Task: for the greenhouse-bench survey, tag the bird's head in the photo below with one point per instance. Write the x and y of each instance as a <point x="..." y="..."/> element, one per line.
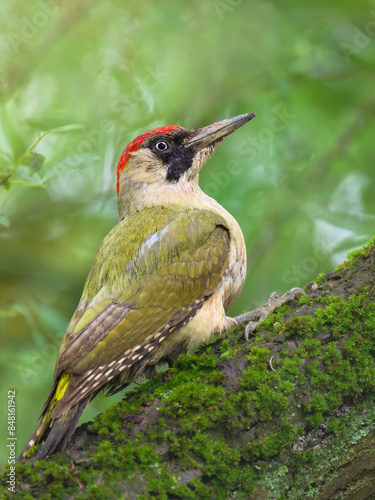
<point x="161" y="166"/>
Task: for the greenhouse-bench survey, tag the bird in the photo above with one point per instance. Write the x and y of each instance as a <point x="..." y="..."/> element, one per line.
<point x="161" y="282"/>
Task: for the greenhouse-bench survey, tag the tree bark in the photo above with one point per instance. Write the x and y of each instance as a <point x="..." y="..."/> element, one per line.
<point x="289" y="414"/>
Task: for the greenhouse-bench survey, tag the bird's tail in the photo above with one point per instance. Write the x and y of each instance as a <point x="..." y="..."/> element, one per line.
<point x="54" y="434"/>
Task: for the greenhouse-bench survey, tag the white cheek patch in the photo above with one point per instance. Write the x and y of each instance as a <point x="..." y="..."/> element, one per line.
<point x="144" y="167"/>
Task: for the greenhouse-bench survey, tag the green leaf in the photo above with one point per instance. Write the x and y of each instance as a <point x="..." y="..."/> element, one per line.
<point x="4" y="221"/>
<point x="36" y="161"/>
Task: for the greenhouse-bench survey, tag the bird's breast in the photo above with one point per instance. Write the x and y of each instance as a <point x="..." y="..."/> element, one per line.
<point x="235" y="277"/>
<point x="236" y="270"/>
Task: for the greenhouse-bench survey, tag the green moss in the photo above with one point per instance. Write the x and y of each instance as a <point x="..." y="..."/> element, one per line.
<point x="358" y="423"/>
<point x="190" y="397"/>
<point x="356" y="256"/>
<point x="276" y="317"/>
<point x="236" y="412"/>
<point x="304" y="299"/>
<point x="320" y="279"/>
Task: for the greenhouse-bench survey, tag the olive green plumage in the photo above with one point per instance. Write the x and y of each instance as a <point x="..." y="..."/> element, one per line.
<point x="158" y="261"/>
<point x="152" y="272"/>
<point x="145" y="279"/>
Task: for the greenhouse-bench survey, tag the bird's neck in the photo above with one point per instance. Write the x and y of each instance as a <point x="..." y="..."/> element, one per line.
<point x="134" y="197"/>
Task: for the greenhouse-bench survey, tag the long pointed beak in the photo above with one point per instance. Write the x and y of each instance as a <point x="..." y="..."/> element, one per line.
<point x="205" y="136"/>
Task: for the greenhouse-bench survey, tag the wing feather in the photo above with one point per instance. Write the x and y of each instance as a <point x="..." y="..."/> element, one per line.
<point x="143" y="285"/>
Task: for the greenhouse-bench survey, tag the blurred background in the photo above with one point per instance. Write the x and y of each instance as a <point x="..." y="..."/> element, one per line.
<point x="78" y="81"/>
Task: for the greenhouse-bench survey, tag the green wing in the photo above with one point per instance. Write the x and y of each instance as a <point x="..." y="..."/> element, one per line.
<point x="151" y="272"/>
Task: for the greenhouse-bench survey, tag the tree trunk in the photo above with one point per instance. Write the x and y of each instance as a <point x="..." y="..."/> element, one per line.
<point x="289" y="414"/>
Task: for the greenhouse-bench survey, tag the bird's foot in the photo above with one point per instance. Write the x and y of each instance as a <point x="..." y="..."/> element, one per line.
<point x="253" y="318"/>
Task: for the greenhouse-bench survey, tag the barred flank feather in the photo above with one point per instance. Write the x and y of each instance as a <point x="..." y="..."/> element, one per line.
<point x="55" y="433"/>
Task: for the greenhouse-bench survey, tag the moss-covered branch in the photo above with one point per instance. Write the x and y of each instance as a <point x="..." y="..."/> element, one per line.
<point x="288" y="415"/>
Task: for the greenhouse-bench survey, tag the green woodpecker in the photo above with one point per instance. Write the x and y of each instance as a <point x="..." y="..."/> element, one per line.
<point x="161" y="282"/>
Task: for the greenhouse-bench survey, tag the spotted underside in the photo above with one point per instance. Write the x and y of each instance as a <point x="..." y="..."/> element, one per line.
<point x="151" y="274"/>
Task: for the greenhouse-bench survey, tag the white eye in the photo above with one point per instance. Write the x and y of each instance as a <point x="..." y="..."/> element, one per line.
<point x="161" y="146"/>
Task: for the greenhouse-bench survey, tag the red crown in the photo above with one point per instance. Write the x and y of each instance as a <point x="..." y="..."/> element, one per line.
<point x="134" y="145"/>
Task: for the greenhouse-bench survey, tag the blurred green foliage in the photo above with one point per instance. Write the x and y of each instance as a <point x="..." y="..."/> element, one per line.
<point x="79" y="80"/>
